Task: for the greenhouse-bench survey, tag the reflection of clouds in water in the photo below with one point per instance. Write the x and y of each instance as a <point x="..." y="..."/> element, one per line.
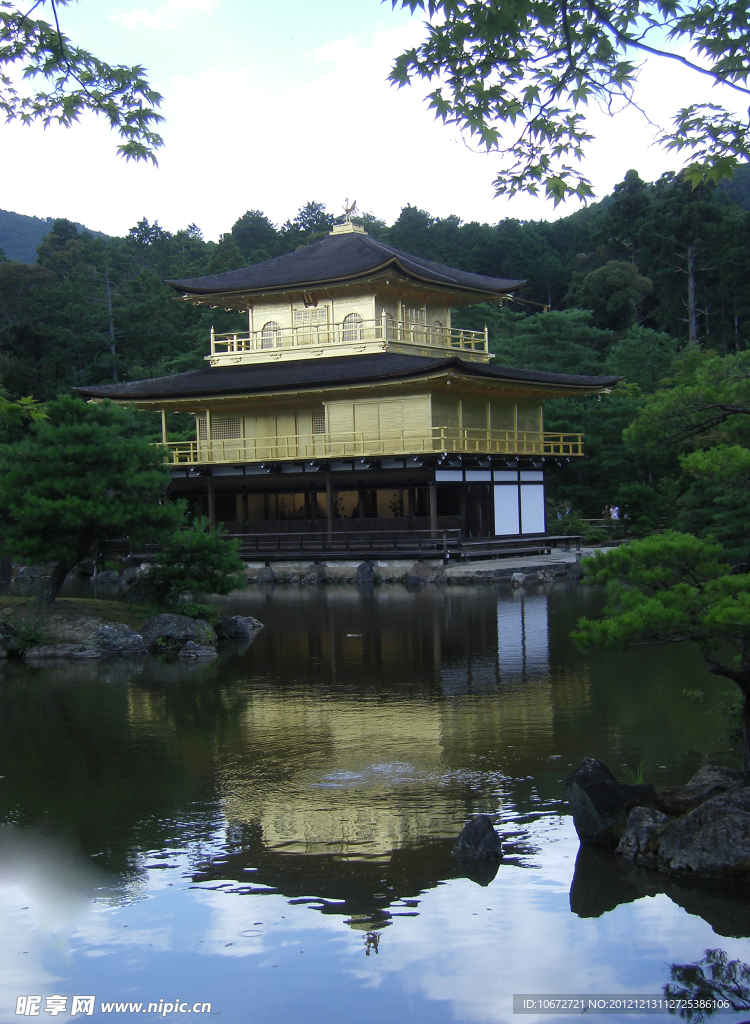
<point x="47" y="890"/>
<point x="459" y="952"/>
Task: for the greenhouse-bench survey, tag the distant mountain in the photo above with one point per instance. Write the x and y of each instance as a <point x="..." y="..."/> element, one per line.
<point x="738" y="189"/>
<point x="21" y="236"/>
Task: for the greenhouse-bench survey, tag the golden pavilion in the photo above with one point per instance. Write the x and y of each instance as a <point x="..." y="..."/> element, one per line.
<point x="352" y="402"/>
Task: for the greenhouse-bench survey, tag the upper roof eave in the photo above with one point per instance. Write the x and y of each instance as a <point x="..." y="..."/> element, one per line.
<point x="337" y="260"/>
<point x="218" y="383"/>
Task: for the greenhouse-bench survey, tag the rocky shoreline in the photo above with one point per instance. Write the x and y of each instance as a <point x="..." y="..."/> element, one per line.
<point x="700" y="830"/>
<point x="310" y="573"/>
<point x="186" y="637"/>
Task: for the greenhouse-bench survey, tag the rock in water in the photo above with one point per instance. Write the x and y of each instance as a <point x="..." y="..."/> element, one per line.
<point x="707" y="782"/>
<point x="191" y="650"/>
<point x="518" y="579"/>
<point x="169" y="631"/>
<point x="238" y="627"/>
<point x="365" y="573"/>
<point x="711" y="841"/>
<point x="479" y="840"/>
<point x="31" y="572"/>
<point x="315" y="574"/>
<point x="640" y="840"/>
<point x="600" y="804"/>
<point x="115" y="638"/>
<point x="108" y="576"/>
<point x="422" y="573"/>
<point x="266" y="575"/>
<point x="545" y="576"/>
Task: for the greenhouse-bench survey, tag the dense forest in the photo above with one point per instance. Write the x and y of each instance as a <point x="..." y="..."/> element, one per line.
<point x="656" y="272"/>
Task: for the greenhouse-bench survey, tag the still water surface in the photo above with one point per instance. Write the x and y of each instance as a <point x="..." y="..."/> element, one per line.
<point x="271" y="832"/>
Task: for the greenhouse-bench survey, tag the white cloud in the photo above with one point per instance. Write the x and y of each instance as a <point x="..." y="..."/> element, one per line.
<point x="168" y="16"/>
<point x="261" y="137"/>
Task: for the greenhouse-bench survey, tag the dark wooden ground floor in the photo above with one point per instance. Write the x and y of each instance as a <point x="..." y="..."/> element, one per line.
<point x="480" y="500"/>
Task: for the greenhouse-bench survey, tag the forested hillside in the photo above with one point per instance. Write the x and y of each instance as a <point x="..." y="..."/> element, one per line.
<point x="620" y="287"/>
<point x="21" y="236"/>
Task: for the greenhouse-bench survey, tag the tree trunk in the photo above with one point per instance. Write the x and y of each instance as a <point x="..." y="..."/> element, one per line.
<point x="692" y="312"/>
<point x="6" y="573"/>
<point x="52" y="587"/>
<point x="746" y="733"/>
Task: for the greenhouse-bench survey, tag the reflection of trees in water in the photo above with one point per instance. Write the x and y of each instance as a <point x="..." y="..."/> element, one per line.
<point x="715" y="977"/>
<point x="372" y="941"/>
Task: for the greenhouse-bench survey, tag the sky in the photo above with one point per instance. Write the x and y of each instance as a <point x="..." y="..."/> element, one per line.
<point x="269" y="106"/>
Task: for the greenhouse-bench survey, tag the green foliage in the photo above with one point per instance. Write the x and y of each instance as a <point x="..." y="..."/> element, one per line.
<point x="613" y="293"/>
<point x="643" y="357"/>
<point x="195" y="610"/>
<point x="563" y="520"/>
<point x="670" y="589"/>
<point x="76" y="82"/>
<point x="84" y="474"/>
<point x="641" y="508"/>
<point x="198" y="560"/>
<point x="518" y="78"/>
<point x="637" y="777"/>
<point x="707" y="400"/>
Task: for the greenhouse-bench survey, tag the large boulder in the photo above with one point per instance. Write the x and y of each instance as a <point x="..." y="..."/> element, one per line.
<point x="643" y="831"/>
<point x="170" y="632"/>
<point x="314" y="574"/>
<point x="143" y="591"/>
<point x="422" y="573"/>
<point x="238" y="627"/>
<point x="518" y="579"/>
<point x="115" y="639"/>
<point x="711" y="841"/>
<point x="265" y="575"/>
<point x="108" y="576"/>
<point x="130" y="575"/>
<point x="479" y="840"/>
<point x="365" y="573"/>
<point x="27" y="573"/>
<point x="601" y="805"/>
<point x="706" y="783"/>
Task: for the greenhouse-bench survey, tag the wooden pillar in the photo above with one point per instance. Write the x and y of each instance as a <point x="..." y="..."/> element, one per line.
<point x="411" y="496"/>
<point x="361" y="508"/>
<point x="463" y="510"/>
<point x="243" y="504"/>
<point x="329" y="505"/>
<point x="433" y="509"/>
<point x="164" y="433"/>
<point x="313" y="499"/>
<point x="211" y="505"/>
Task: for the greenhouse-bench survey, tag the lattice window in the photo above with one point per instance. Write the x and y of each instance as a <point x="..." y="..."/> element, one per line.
<point x="311" y="315"/>
<point x="223" y="428"/>
<point x="353" y="330"/>
<point x="415" y="316"/>
<point x="319" y="422"/>
<point x="270" y="335"/>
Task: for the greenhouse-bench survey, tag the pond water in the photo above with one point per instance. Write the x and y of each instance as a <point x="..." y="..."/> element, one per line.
<point x="270" y="833"/>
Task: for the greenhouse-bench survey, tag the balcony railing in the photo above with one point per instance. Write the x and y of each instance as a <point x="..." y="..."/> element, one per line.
<point x="323" y="335"/>
<point x="348" y="444"/>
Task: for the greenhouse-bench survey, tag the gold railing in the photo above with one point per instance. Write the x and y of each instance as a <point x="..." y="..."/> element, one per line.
<point x="347" y="444"/>
<point x="320" y="335"/>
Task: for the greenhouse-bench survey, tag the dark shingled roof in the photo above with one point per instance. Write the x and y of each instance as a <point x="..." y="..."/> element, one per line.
<point x="341" y="257"/>
<point x="315" y="373"/>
